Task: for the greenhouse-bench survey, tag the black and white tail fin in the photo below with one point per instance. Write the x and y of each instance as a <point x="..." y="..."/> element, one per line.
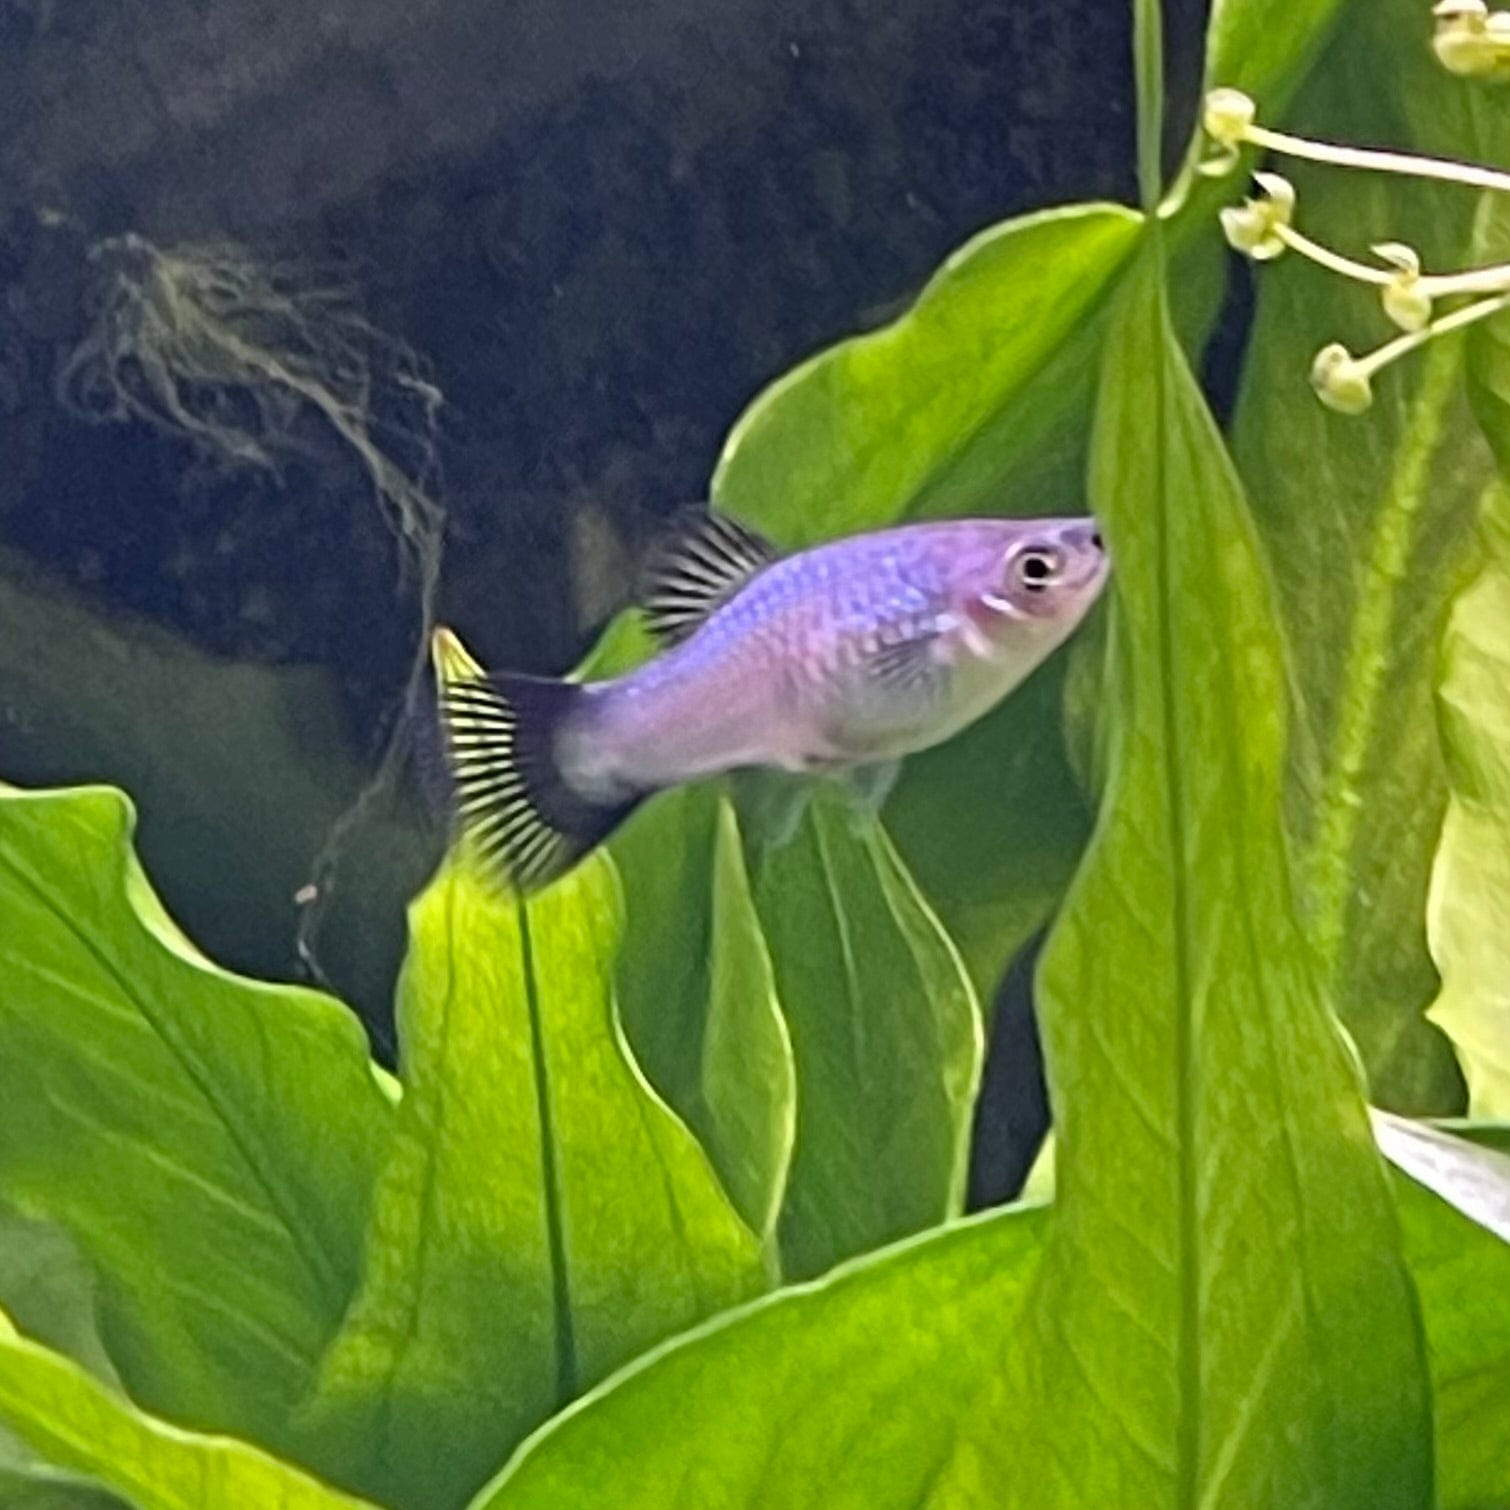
<point x="525" y="819"/>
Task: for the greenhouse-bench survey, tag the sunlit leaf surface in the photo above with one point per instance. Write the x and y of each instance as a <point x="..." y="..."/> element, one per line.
<point x="860" y="1390"/>
<point x="78" y="1423"/>
<point x="699" y="995"/>
<point x="208" y="1142"/>
<point x="1469" y="918"/>
<point x="542" y="1217"/>
<point x="1219" y="1209"/>
<point x="887" y="1037"/>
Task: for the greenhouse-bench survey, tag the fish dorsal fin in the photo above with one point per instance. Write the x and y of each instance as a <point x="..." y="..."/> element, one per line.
<point x="703" y="561"/>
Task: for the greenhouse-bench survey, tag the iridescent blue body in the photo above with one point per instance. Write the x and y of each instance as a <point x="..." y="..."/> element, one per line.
<point x="845" y="657"/>
<point x="862" y="650"/>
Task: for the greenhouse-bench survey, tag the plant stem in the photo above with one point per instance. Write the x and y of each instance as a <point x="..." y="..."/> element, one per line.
<point x="1148" y="72"/>
<point x="1468" y="315"/>
<point x="1469" y="174"/>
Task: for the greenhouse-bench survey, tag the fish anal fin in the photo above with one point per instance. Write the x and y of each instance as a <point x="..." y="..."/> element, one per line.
<point x="704" y="559"/>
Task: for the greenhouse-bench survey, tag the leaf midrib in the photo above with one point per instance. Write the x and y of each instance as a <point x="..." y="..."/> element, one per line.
<point x="564" y="1331"/>
<point x="1188" y="1352"/>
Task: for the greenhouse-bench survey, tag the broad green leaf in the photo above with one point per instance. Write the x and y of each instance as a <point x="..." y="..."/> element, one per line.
<point x="52" y="1489"/>
<point x="870" y="1386"/>
<point x="887" y="1037"/>
<point x="1252" y="46"/>
<point x="76" y="1422"/>
<point x="1223" y="1271"/>
<point x="542" y="1218"/>
<point x="1369" y="525"/>
<point x="1468" y="921"/>
<point x="699" y="996"/>
<point x="973" y="402"/>
<point x="48" y="1291"/>
<point x="870" y="431"/>
<point x="208" y="1142"/>
<point x="1462" y="1272"/>
<point x="860" y="1390"/>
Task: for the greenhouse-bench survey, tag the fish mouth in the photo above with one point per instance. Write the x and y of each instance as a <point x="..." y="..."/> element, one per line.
<point x="1092" y="576"/>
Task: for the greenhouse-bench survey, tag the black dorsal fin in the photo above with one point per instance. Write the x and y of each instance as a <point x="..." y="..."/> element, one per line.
<point x="703" y="561"/>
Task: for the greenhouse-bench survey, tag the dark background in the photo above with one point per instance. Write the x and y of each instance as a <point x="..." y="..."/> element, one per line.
<point x="603" y="228"/>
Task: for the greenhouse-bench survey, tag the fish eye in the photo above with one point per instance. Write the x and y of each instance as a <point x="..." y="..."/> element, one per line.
<point x="1037" y="568"/>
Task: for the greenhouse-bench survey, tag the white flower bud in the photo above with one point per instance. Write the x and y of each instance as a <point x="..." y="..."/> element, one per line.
<point x="1404" y="300"/>
<point x="1227" y="115"/>
<point x="1252" y="227"/>
<point x="1341" y="380"/>
<point x="1470" y="41"/>
<point x="1403" y="258"/>
<point x="1406" y="303"/>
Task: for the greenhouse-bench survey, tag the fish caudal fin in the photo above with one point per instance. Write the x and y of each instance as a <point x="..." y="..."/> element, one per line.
<point x="527" y="822"/>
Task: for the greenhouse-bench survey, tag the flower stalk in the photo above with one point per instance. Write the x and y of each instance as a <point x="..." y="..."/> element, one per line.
<point x="1262" y="228"/>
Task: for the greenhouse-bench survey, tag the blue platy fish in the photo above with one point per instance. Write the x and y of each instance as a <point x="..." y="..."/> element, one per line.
<point x="842" y="658"/>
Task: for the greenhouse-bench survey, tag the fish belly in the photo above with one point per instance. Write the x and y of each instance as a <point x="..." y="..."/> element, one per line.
<point x="637" y="737"/>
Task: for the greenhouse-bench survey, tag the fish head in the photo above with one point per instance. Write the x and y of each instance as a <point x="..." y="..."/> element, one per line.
<point x="1041" y="580"/>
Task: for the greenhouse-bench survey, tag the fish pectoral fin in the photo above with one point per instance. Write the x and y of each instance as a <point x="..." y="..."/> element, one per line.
<point x="910" y="666"/>
<point x="703" y="561"/>
<point x="868" y="787"/>
<point x="771" y="803"/>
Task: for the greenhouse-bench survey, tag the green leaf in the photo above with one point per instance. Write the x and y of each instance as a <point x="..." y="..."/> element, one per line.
<point x="1489" y="342"/>
<point x="1250" y="46"/>
<point x="872" y="430"/>
<point x="699" y="996"/>
<point x="208" y="1142"/>
<point x="542" y="1218"/>
<point x="1221" y="1212"/>
<point x="1468" y="921"/>
<point x="79" y="1424"/>
<point x="1369" y="525"/>
<point x="887" y="1036"/>
<point x="992" y="824"/>
<point x="1462" y="1272"/>
<point x="860" y="1390"/>
<point x="49" y="1291"/>
<point x="52" y="1489"/>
